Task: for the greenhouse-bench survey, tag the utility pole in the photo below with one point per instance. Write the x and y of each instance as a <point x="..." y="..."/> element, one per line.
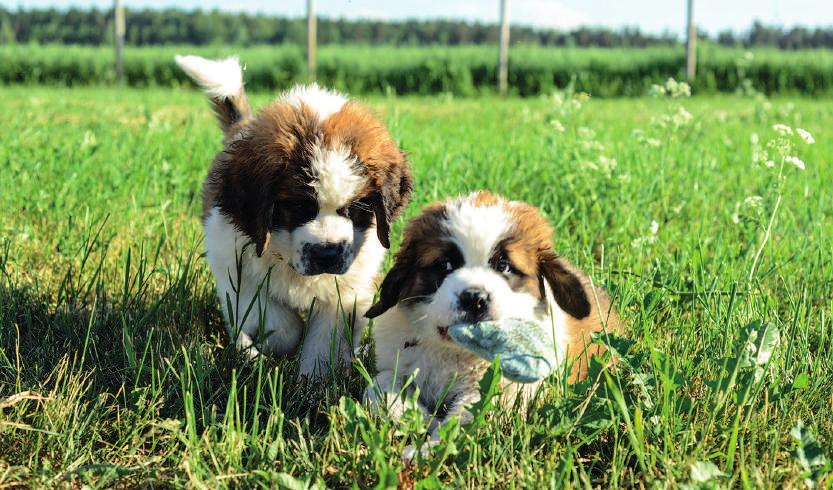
<point x="118" y="38"/>
<point x="312" y="40"/>
<point x="503" y="54"/>
<point x="691" y="44"/>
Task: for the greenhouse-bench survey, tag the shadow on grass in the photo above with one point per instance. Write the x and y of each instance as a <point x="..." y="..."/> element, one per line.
<point x="86" y="370"/>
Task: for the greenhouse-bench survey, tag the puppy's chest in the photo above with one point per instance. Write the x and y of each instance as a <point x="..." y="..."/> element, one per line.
<point x="454" y="374"/>
<point x="439" y="367"/>
<point x="299" y="291"/>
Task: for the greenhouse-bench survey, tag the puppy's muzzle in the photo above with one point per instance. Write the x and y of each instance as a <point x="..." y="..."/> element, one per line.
<point x="327" y="258"/>
<point x="474" y="303"/>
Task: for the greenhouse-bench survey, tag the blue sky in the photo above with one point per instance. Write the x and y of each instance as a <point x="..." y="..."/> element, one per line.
<point x="649" y="15"/>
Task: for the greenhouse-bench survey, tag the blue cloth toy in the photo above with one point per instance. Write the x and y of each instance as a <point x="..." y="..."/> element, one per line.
<point x="525" y="355"/>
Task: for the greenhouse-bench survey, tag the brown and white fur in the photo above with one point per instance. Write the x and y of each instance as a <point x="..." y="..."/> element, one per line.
<point x="475" y="258"/>
<point x="296" y="212"/>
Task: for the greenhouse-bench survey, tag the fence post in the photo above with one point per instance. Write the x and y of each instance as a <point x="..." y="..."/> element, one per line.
<point x="691" y="44"/>
<point x="118" y="37"/>
<point x="312" y="40"/>
<point x="503" y="54"/>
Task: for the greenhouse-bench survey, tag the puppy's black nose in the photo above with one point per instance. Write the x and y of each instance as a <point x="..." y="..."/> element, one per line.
<point x="475" y="302"/>
<point x="326" y="255"/>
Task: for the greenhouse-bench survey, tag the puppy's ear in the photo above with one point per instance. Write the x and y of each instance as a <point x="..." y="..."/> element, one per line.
<point x="566" y="286"/>
<point x="391" y="287"/>
<point x="391" y="199"/>
<point x="246" y="192"/>
<point x="222" y="81"/>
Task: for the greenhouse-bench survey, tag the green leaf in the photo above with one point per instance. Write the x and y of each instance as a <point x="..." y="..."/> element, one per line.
<point x="809" y="454"/>
<point x="705" y="471"/>
<point x="289" y="482"/>
<point x="761" y="341"/>
<point x="801" y="381"/>
<point x="489" y="388"/>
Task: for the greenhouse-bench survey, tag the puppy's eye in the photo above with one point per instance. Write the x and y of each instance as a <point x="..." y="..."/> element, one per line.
<point x="443" y="266"/>
<point x="503" y="266"/>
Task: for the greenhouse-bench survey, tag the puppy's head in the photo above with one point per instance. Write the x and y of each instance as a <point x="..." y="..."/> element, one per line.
<point x="478" y="258"/>
<point x="309" y="188"/>
<point x="307" y="176"/>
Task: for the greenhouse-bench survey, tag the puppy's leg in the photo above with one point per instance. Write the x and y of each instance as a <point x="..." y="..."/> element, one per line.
<point x="383" y="395"/>
<point x="255" y="321"/>
<point x="268" y="326"/>
<point x="328" y="339"/>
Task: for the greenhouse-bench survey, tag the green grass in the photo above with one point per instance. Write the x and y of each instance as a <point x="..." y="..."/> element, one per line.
<point x="460" y="70"/>
<point x="114" y="368"/>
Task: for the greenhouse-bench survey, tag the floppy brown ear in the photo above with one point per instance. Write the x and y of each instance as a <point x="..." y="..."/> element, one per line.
<point x="566" y="286"/>
<point x="392" y="199"/>
<point x="391" y="288"/>
<point x="247" y="194"/>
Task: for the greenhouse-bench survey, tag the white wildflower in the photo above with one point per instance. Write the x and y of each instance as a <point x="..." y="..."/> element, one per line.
<point x="753" y="139"/>
<point x="753" y="201"/>
<point x="652" y="142"/>
<point x="795" y="161"/>
<point x="89" y="140"/>
<point x="648" y="239"/>
<point x="681" y="117"/>
<point x="677" y="89"/>
<point x="783" y="129"/>
<point x="656" y="90"/>
<point x="607" y="165"/>
<point x="805" y="135"/>
<point x="556" y="124"/>
<point x="586" y="133"/>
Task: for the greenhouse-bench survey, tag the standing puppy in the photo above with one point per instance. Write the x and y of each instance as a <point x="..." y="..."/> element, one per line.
<point x="296" y="211"/>
<point x="468" y="260"/>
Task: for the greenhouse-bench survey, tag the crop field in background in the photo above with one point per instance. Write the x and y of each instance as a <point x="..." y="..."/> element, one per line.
<point x="693" y="212"/>
<point x="463" y="70"/>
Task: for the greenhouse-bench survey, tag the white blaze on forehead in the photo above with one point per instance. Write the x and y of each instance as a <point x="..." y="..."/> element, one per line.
<point x="335" y="176"/>
<point x="325" y="228"/>
<point x="476" y="230"/>
<point x="324" y="102"/>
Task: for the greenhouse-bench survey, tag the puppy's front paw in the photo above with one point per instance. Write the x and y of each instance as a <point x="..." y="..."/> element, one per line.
<point x="410" y="451"/>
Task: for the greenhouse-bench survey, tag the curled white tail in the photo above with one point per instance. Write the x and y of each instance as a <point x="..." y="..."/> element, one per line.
<point x="220" y="79"/>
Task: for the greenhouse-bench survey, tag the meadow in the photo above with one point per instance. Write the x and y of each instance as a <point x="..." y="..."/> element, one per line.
<point x="427" y="70"/>
<point x="693" y="212"/>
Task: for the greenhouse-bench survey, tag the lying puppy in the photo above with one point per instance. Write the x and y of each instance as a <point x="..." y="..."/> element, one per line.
<point x="296" y="211"/>
<point x="475" y="259"/>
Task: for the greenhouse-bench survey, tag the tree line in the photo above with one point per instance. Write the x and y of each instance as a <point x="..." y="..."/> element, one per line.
<point x="198" y="27"/>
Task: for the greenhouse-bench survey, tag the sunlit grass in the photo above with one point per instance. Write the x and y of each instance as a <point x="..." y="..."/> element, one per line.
<point x="113" y="360"/>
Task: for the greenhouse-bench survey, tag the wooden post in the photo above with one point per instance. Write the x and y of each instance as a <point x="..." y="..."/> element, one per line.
<point x="503" y="55"/>
<point x="312" y="40"/>
<point x="118" y="38"/>
<point x="691" y="44"/>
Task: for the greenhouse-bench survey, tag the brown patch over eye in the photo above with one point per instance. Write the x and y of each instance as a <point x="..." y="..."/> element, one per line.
<point x="388" y="176"/>
<point x="423" y="245"/>
<point x="518" y="263"/>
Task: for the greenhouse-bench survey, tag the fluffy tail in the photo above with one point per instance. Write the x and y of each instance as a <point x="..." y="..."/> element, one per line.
<point x="222" y="81"/>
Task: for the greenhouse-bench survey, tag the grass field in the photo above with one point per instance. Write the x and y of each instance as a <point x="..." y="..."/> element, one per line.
<point x="433" y="70"/>
<point x="113" y="365"/>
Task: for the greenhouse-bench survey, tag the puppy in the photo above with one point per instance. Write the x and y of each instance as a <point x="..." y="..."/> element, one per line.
<point x="467" y="260"/>
<point x="297" y="209"/>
